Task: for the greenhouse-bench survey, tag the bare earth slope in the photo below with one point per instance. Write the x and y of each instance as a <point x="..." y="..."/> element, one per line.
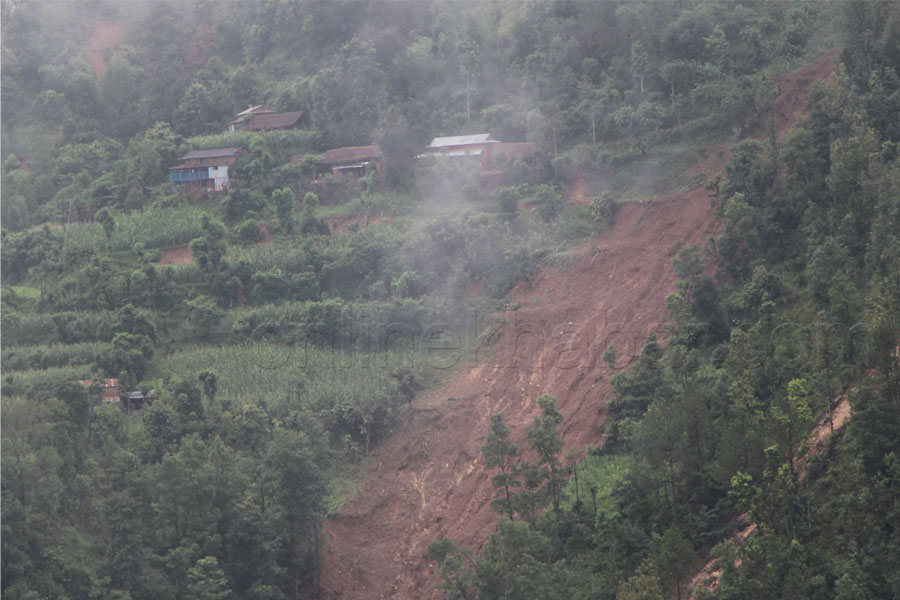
<point x="427" y="481"/>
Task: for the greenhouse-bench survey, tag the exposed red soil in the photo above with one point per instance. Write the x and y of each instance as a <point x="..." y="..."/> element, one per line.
<point x="202" y="43"/>
<point x="474" y="288"/>
<point x="107" y="34"/>
<point x="268" y="236"/>
<point x="426" y="482"/>
<point x="793" y="86"/>
<point x="177" y="255"/>
<point x="181" y="255"/>
<point x="580" y="190"/>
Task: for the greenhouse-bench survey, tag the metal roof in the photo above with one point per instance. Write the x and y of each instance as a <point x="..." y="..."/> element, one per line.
<point x="203" y="164"/>
<point x="259" y="108"/>
<point x="461" y="140"/>
<point x="453" y="153"/>
<point x="212" y="153"/>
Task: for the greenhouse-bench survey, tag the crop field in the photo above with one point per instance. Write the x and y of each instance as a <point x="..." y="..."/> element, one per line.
<point x="154" y="228"/>
<point x="251" y="372"/>
<point x="46" y="356"/>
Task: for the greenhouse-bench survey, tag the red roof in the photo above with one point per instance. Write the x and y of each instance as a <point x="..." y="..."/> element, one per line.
<point x="352" y="154"/>
<point x="104" y="383"/>
<point x="514" y="150"/>
<point x="263" y="121"/>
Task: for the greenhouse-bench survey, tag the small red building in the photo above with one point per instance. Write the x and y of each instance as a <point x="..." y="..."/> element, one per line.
<point x="110" y="388"/>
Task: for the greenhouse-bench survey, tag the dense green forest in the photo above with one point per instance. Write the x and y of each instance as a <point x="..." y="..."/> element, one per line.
<point x="270" y="381"/>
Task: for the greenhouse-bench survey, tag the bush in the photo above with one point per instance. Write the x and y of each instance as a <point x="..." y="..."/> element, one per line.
<point x="247" y="232"/>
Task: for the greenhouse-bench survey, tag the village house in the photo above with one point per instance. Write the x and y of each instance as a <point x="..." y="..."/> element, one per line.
<point x="253" y="110"/>
<point x="459" y="146"/>
<point x="109" y="388"/>
<point x="353" y="162"/>
<point x="266" y="120"/>
<point x="205" y="170"/>
<point x="111" y="393"/>
<point x="492" y="157"/>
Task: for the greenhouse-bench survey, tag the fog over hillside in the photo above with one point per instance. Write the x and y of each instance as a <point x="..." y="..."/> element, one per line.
<point x="464" y="300"/>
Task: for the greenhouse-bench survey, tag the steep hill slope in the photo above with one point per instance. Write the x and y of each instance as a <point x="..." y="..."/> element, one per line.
<point x="427" y="482"/>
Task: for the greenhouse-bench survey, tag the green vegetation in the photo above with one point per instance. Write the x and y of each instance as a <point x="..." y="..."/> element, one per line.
<point x="287" y="349"/>
<point x="802" y="309"/>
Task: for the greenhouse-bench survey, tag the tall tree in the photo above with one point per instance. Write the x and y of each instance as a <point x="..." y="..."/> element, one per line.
<point x="500" y="452"/>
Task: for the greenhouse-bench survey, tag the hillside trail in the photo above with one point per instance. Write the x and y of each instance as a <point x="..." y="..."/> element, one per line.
<point x="427" y="482"/>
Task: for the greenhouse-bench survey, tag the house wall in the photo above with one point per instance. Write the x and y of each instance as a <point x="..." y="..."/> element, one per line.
<point x="219" y="175"/>
<point x="464" y="147"/>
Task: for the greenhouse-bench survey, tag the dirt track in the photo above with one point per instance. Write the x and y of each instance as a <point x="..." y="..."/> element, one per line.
<point x="427" y="482"/>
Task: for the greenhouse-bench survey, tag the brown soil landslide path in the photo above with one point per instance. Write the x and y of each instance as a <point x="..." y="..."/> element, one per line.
<point x="427" y="481"/>
<point x="106" y="34"/>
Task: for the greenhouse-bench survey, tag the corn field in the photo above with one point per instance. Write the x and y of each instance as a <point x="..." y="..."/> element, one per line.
<point x="157" y="228"/>
<point x="300" y="141"/>
<point x="17" y="382"/>
<point x="46" y="356"/>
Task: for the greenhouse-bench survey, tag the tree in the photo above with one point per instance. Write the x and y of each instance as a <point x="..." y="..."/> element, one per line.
<point x="309" y="224"/>
<point x="209" y="249"/>
<point x="547" y="201"/>
<point x="500" y="452"/>
<point x="639" y="61"/>
<point x="643" y="585"/>
<point x="153" y="153"/>
<point x="106" y="220"/>
<point x="610" y="356"/>
<point x="210" y="381"/>
<point x="285" y="201"/>
<point x="294" y="481"/>
<point x="205" y="312"/>
<point x="792" y="417"/>
<point x="543" y="439"/>
<point x="456" y="568"/>
<point x="674" y="558"/>
<point x="196" y="113"/>
<point x="206" y="580"/>
<point x="596" y="103"/>
<point x="640" y="121"/>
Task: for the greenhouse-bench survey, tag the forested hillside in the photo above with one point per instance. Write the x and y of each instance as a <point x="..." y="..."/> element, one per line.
<point x="195" y="379"/>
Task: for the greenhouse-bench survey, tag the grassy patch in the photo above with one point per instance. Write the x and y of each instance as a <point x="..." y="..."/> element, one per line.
<point x="334" y="210"/>
<point x="26" y="291"/>
<point x="601" y="473"/>
<point x="343" y="485"/>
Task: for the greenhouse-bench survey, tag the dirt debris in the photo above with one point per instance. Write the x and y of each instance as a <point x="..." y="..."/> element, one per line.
<point x="613" y="291"/>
